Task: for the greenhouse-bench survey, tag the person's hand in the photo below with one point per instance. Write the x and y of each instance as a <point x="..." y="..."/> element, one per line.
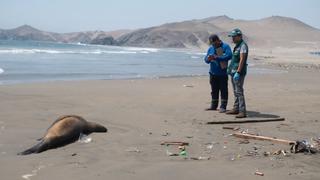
<point x="210" y="58"/>
<point x="236" y="76"/>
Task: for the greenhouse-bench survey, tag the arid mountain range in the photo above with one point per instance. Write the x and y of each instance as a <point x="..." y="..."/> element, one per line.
<point x="275" y="31"/>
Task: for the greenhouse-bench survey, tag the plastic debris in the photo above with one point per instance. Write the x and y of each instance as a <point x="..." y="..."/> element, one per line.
<point x="252" y="153"/>
<point x="227" y="135"/>
<point x="232" y="158"/>
<point x="259" y="173"/>
<point x="231" y="128"/>
<point x="165" y="134"/>
<point x="133" y="149"/>
<point x="303" y="146"/>
<point x="245" y="141"/>
<point x="178" y="143"/>
<point x="200" y="158"/>
<point x="84" y="138"/>
<point x="183" y="153"/>
<point x="284" y="152"/>
<point x="210" y="146"/>
<point x="189" y="86"/>
<point x="171" y="154"/>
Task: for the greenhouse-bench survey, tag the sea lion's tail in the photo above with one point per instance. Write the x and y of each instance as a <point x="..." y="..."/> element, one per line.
<point x="34" y="149"/>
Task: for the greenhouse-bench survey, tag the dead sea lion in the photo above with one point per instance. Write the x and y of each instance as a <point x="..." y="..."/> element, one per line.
<point x="63" y="131"/>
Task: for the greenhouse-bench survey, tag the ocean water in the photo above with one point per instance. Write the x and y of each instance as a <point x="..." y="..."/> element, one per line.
<point x="315" y="53"/>
<point x="30" y="61"/>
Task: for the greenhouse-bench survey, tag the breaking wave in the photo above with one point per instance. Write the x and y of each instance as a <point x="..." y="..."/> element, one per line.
<point x="141" y="50"/>
<point x="50" y="51"/>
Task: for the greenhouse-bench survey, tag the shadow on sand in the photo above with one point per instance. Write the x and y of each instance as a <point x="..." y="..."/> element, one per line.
<point x="255" y="114"/>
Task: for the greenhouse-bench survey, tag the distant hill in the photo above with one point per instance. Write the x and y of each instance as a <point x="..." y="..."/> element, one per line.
<point x="271" y="31"/>
<point x="27" y="32"/>
<point x="267" y="32"/>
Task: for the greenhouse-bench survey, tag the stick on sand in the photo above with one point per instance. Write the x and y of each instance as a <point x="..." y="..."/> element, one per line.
<point x="250" y="136"/>
<point x="246" y="121"/>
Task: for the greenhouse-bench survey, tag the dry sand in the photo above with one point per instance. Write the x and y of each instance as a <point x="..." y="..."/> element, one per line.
<point x="141" y="113"/>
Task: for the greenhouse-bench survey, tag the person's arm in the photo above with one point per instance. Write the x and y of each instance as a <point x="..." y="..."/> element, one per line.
<point x="208" y="58"/>
<point x="242" y="60"/>
<point x="227" y="55"/>
<point x="243" y="57"/>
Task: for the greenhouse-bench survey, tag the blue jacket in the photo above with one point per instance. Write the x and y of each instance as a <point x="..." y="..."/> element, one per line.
<point x="215" y="67"/>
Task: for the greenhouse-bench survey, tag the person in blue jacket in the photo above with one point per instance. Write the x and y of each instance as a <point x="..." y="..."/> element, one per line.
<point x="218" y="55"/>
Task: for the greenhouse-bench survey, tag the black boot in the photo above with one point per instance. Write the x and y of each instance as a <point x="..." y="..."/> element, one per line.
<point x="214" y="105"/>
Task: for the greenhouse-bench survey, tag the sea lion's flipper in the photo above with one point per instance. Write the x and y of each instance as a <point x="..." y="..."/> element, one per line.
<point x="38" y="148"/>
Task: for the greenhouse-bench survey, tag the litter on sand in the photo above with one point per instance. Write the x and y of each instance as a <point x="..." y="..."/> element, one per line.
<point x="303" y="146"/>
<point x="200" y="158"/>
<point x="182" y="149"/>
<point x="189" y="86"/>
<point x="177" y="143"/>
<point x="133" y="149"/>
<point x="84" y="138"/>
<point x="231" y="128"/>
<point x="259" y="173"/>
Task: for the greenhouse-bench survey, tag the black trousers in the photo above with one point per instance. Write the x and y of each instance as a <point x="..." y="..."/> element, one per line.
<point x="219" y="84"/>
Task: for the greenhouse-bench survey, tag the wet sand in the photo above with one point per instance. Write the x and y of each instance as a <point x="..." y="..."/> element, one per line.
<point x="139" y="114"/>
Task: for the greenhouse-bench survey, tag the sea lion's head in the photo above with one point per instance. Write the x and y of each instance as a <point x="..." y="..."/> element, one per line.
<point x="94" y="127"/>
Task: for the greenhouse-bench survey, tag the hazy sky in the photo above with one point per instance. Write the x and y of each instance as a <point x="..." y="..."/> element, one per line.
<point x="80" y="15"/>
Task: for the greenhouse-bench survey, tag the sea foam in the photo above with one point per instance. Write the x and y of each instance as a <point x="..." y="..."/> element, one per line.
<point x="49" y="51"/>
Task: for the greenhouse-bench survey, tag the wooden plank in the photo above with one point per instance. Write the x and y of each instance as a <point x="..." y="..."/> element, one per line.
<point x="264" y="138"/>
<point x="238" y="121"/>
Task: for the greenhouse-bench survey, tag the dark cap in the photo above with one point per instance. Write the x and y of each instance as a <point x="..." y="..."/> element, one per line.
<point x="213" y="37"/>
<point x="235" y="32"/>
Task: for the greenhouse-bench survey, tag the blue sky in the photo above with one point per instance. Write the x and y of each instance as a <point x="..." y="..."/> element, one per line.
<point x="81" y="15"/>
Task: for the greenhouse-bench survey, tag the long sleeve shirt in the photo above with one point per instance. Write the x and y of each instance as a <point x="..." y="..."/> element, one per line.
<point x="215" y="65"/>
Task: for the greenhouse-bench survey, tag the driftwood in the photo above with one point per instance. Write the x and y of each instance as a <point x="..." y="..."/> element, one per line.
<point x="246" y="121"/>
<point x="231" y="128"/>
<point x="256" y="137"/>
<point x="178" y="143"/>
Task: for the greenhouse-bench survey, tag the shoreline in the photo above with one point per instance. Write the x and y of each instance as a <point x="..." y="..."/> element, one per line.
<point x="256" y="69"/>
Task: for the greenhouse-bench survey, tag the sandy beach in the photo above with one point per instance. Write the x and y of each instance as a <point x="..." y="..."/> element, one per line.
<point x="139" y="114"/>
<point x="141" y="70"/>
